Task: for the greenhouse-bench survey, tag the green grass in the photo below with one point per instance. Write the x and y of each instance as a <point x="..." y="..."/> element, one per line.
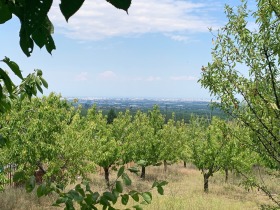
<point x="184" y="191"/>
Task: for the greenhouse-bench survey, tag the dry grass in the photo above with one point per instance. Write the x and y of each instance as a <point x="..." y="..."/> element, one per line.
<point x="184" y="191"/>
<point x="18" y="199"/>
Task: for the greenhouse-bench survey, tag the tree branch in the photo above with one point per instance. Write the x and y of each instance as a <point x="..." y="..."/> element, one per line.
<point x="272" y="77"/>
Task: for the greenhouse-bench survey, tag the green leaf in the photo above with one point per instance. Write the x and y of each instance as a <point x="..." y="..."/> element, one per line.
<point x="3" y="141"/>
<point x="18" y="176"/>
<point x="42" y="35"/>
<point x="121" y="4"/>
<point x="147" y="196"/>
<point x="60" y="187"/>
<point x="109" y="196"/>
<point x="80" y="190"/>
<point x="120" y="171"/>
<point x="125" y="199"/>
<point x="33" y="17"/>
<point x="133" y="170"/>
<point x="155" y="184"/>
<point x="95" y="196"/>
<point x="7" y="81"/>
<point x="5" y="13"/>
<point x="5" y="104"/>
<point x="126" y="179"/>
<point x="70" y="7"/>
<point x="137" y="207"/>
<point x="60" y="201"/>
<point x="39" y="37"/>
<point x="88" y="199"/>
<point x="135" y="195"/>
<point x="69" y="205"/>
<point x="50" y="45"/>
<point x="162" y="183"/>
<point x="75" y="195"/>
<point x="39" y="87"/>
<point x="160" y="190"/>
<point x="13" y="66"/>
<point x="44" y="82"/>
<point x="25" y="42"/>
<point x="119" y="186"/>
<point x="39" y="72"/>
<point x="115" y="193"/>
<point x="41" y="190"/>
<point x="104" y="201"/>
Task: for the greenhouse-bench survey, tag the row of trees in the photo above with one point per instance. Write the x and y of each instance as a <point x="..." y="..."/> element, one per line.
<point x="50" y="135"/>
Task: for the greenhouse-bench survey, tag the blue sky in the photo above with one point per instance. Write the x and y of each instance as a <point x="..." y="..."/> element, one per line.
<point x="155" y="52"/>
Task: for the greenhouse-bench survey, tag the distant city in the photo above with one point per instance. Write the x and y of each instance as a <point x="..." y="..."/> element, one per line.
<point x="183" y="108"/>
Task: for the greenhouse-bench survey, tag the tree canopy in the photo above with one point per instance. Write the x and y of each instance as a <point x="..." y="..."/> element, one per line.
<point x="244" y="74"/>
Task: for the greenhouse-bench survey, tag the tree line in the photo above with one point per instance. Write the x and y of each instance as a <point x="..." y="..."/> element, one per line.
<point x="50" y="135"/>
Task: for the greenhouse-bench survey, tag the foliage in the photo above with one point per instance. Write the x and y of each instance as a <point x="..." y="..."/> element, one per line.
<point x="244" y="74"/>
<point x="27" y="88"/>
<point x="252" y="98"/>
<point x="172" y="137"/>
<point x="40" y="136"/>
<point x="49" y="135"/>
<point x="87" y="199"/>
<point x="213" y="147"/>
<point x="122" y="128"/>
<point x="72" y="151"/>
<point x="143" y="142"/>
<point x="104" y="148"/>
<point x="111" y="116"/>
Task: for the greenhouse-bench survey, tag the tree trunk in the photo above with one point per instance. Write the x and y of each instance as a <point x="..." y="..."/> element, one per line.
<point x="185" y="164"/>
<point x="143" y="172"/>
<point x="165" y="166"/>
<point x="206" y="180"/>
<point x="226" y="178"/>
<point x="106" y="172"/>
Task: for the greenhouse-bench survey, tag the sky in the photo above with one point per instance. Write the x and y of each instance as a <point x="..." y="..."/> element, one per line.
<point x="156" y="51"/>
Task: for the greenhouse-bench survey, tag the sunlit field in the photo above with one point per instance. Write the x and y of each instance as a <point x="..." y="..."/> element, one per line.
<point x="184" y="191"/>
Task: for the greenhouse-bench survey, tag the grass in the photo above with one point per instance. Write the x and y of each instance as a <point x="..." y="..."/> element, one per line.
<point x="18" y="199"/>
<point x="184" y="191"/>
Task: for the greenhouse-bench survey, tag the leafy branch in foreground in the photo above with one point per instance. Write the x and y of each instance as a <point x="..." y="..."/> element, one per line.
<point x="244" y="75"/>
<point x="28" y="87"/>
<point x="86" y="199"/>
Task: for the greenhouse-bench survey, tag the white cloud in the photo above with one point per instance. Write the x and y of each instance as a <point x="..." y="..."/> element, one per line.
<point x="184" y="78"/>
<point x="98" y="19"/>
<point x="83" y="76"/>
<point x="107" y="75"/>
